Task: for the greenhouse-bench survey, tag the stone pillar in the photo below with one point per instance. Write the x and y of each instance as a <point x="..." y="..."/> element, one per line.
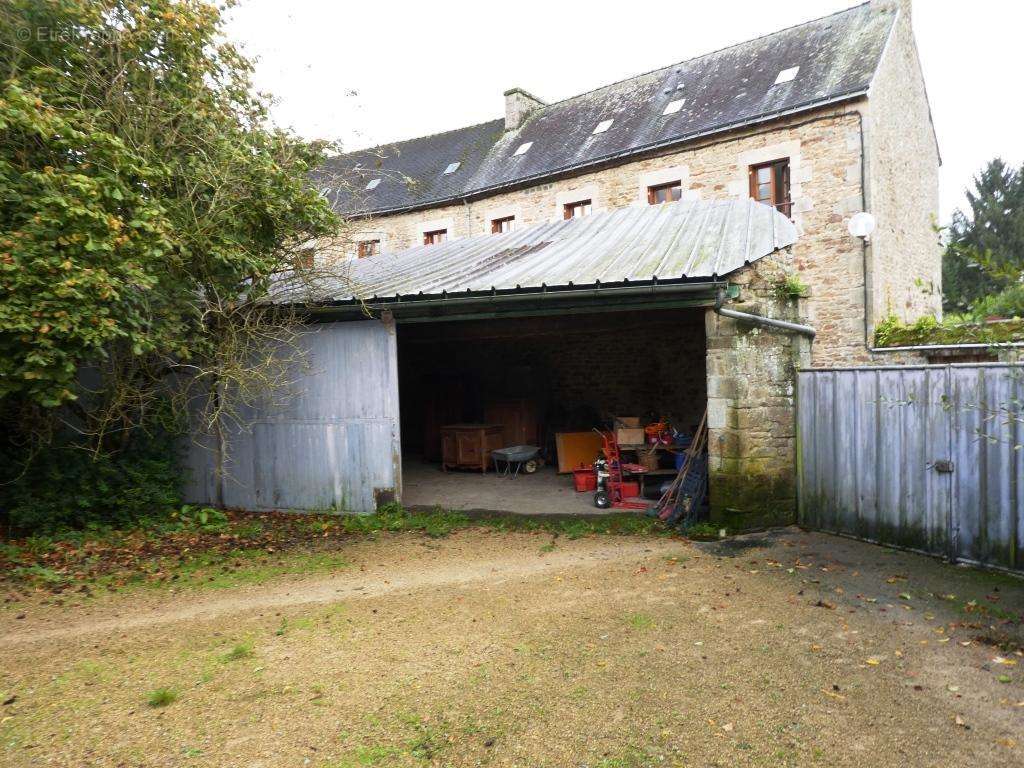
<point x="751" y="374"/>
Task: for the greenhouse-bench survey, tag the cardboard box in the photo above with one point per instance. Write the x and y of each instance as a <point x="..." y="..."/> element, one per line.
<point x="629" y="435"/>
<point x="628" y="430"/>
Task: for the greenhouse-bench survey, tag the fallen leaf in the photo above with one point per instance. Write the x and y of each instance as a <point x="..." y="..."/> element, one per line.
<point x="906" y="596"/>
<point x="961" y="722"/>
<point x="727" y="727"/>
<point x="874" y="661"/>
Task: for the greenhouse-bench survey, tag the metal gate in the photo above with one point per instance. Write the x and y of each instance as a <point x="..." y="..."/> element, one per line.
<point x="333" y="445"/>
<point x="924" y="457"/>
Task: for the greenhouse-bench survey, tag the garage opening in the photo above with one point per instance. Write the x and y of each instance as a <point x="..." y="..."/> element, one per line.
<point x="547" y="381"/>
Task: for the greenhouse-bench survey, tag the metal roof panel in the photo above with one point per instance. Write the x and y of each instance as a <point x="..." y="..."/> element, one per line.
<point x="671" y="241"/>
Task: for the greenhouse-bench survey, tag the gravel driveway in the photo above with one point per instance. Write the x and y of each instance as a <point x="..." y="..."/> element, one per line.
<point x="499" y="649"/>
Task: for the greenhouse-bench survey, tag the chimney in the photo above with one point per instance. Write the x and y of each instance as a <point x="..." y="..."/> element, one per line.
<point x="518" y="106"/>
<point x="905" y="7"/>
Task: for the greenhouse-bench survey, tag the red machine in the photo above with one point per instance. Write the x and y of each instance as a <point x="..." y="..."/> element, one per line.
<point x="609" y="477"/>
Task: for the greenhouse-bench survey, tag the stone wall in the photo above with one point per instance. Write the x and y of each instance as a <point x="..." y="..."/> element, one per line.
<point x="902" y="184"/>
<point x="751" y="399"/>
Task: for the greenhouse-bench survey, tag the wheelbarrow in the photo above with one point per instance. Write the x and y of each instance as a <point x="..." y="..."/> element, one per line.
<point x="516" y="458"/>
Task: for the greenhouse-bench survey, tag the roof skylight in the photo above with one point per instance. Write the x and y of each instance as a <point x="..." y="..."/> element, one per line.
<point x="452" y="167"/>
<point x="603" y="126"/>
<point x="373" y="184"/>
<point x="786" y="75"/>
<point x="524" y="148"/>
<point x="673" y="106"/>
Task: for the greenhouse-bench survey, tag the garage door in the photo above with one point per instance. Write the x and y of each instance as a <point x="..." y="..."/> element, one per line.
<point x="331" y="444"/>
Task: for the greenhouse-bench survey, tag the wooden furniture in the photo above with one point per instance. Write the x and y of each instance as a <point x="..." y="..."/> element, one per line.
<point x="469" y="446"/>
<point x="518" y="417"/>
<point x="443" y="404"/>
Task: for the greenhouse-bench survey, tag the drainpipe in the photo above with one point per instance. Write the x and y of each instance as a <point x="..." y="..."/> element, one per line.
<point x="766" y="322"/>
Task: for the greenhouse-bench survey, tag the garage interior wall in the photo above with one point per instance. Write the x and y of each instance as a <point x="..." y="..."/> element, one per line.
<point x="576" y="371"/>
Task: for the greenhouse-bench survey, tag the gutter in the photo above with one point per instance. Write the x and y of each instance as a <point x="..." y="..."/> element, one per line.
<point x="981" y="347"/>
<point x="544" y="294"/>
<point x="765" y="322"/>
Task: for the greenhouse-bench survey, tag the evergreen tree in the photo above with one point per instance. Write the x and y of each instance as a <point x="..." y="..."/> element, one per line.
<point x="985" y="256"/>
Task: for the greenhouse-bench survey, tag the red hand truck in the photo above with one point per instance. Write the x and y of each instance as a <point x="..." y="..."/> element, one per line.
<point x="609" y="477"/>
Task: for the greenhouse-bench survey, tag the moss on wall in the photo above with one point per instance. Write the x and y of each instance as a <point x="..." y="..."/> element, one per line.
<point x="891" y="332"/>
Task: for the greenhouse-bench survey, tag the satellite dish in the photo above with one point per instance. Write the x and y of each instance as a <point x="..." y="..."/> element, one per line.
<point x="862" y="224"/>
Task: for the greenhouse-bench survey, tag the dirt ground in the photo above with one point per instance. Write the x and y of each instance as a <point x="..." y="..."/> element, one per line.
<point x="512" y="649"/>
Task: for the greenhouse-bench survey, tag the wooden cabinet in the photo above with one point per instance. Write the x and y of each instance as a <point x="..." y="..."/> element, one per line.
<point x="469" y="446"/>
<point x="519" y="419"/>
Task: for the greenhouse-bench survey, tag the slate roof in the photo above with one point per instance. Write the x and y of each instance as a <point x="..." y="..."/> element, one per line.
<point x="685" y="240"/>
<point x="837" y="56"/>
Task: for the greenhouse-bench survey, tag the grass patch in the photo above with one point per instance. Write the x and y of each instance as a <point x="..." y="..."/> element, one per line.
<point x="640" y="621"/>
<point x="208" y="550"/>
<point x="239" y="652"/>
<point x="162" y="697"/>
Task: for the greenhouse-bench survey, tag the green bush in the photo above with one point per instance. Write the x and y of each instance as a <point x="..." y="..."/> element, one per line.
<point x="1007" y="303"/>
<point x="66" y="487"/>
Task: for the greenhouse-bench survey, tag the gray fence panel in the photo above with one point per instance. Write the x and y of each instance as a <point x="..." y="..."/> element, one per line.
<point x="330" y="442"/>
<point x="872" y="443"/>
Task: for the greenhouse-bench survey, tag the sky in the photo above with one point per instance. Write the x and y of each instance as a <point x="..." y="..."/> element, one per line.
<point x="365" y="73"/>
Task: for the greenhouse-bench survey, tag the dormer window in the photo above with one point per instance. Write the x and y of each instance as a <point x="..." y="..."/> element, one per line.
<point x="452" y="168"/>
<point x="603" y="126"/>
<point x="787" y="75"/>
<point x="524" y="148"/>
<point x="576" y="210"/>
<point x="373" y="184"/>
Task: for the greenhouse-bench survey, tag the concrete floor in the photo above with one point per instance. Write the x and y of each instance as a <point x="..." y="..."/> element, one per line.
<point x="543" y="493"/>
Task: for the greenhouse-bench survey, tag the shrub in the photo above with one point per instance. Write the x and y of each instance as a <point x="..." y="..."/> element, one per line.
<point x="791" y="287"/>
<point x="66" y="487"/>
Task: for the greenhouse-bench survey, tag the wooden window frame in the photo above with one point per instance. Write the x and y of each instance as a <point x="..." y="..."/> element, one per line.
<point x="654" y="189"/>
<point x="496" y="224"/>
<point x="781" y="199"/>
<point x="568" y="208"/>
<point x="367" y="249"/>
<point x="428" y="237"/>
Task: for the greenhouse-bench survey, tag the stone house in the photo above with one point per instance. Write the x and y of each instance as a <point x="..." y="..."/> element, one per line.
<point x="815" y="123"/>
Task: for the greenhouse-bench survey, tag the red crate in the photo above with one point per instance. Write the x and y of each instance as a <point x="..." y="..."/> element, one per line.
<point x="584" y="479"/>
<point x="630" y="488"/>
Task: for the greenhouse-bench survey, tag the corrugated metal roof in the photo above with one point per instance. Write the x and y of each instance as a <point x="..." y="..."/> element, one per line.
<point x="672" y="241"/>
<point x="836" y="55"/>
